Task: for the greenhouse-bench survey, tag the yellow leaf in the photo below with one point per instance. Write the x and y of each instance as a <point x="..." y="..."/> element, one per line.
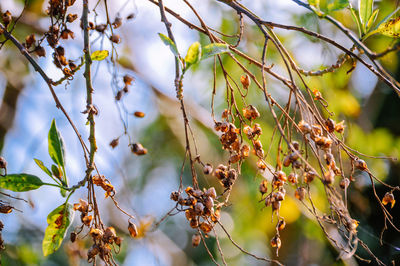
<point x="390" y="28"/>
<point x="99" y="55"/>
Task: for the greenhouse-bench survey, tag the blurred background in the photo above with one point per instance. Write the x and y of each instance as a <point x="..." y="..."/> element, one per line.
<point x="371" y="111"/>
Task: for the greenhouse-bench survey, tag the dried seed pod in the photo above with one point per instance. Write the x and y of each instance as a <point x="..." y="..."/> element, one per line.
<point x="360" y="164"/>
<point x="196" y="238"/>
<point x="329" y="159"/>
<point x="339" y="127"/>
<point x="245" y="151"/>
<point x="261" y="165"/>
<point x="257" y="130"/>
<point x="190" y="214"/>
<point x="293" y="178"/>
<point x="278" y="196"/>
<point x="174" y="195"/>
<point x="117" y="22"/>
<point x="128" y="80"/>
<point x="276" y="205"/>
<point x="329" y="177"/>
<point x="130" y="16"/>
<point x="40" y="51"/>
<point x="115" y="38"/>
<point x="304" y="127"/>
<point x="92" y="252"/>
<point x="330" y="125"/>
<point x="250" y="112"/>
<point x="5" y="208"/>
<point x="197" y="193"/>
<point x="300" y="193"/>
<point x="344" y="183"/>
<point x="198" y="208"/>
<point x="245" y="80"/>
<point x="139" y="114"/>
<point x="208" y="203"/>
<point x="205" y="227"/>
<point x="287" y="161"/>
<point x="281" y="225"/>
<point x="389" y="198"/>
<point x="216" y="215"/>
<point x="194" y="223"/>
<point x="138" y="149"/>
<point x="316" y="130"/>
<point x="211" y="193"/>
<point x="280" y="175"/>
<point x="96" y="233"/>
<point x="234" y="158"/>
<point x="263" y="188"/>
<point x="132" y="229"/>
<point x="207" y="169"/>
<point x="118" y="241"/>
<point x="309" y="176"/>
<point x="101" y="28"/>
<point x="87" y="219"/>
<point x="296" y="145"/>
<point x="7" y="18"/>
<point x="248" y="131"/>
<point x="71" y="17"/>
<point x="276" y="242"/>
<point x="114" y="143"/>
<point x="72" y="237"/>
<point x="29" y="40"/>
<point x="118" y="97"/>
<point x="109" y="235"/>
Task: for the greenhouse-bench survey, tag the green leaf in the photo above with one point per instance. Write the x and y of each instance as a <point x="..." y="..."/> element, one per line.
<point x="168" y="42"/>
<point x="372" y="19"/>
<point x="365" y="8"/>
<point x="56" y="145"/>
<point x="356" y="19"/>
<point x="42" y="166"/>
<point x="193" y="54"/>
<point x="20" y="182"/>
<point x="390" y="28"/>
<point x="214" y="49"/>
<point x="314" y="3"/>
<point x="58" y="222"/>
<point x="337" y="5"/>
<point x="99" y="55"/>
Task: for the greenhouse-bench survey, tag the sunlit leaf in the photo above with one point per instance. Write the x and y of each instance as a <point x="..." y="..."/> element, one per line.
<point x="365" y="8"/>
<point x="214" y="49"/>
<point x="42" y="166"/>
<point x="337" y="5"/>
<point x="193" y="54"/>
<point x="20" y="182"/>
<point x="372" y="19"/>
<point x="167" y="41"/>
<point x="356" y="18"/>
<point x="390" y="28"/>
<point x="99" y="55"/>
<point x="58" y="222"/>
<point x="314" y="3"/>
<point x="56" y="145"/>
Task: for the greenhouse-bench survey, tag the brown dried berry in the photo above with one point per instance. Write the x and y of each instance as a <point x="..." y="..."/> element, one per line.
<point x="263" y="188"/>
<point x="344" y="183"/>
<point x="207" y="169"/>
<point x="117" y="22"/>
<point x="40" y="51"/>
<point x="138" y="149"/>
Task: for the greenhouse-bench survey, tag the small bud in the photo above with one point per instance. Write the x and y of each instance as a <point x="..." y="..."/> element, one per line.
<point x="115" y="38"/>
<point x="360" y="164"/>
<point x="114" y="143"/>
